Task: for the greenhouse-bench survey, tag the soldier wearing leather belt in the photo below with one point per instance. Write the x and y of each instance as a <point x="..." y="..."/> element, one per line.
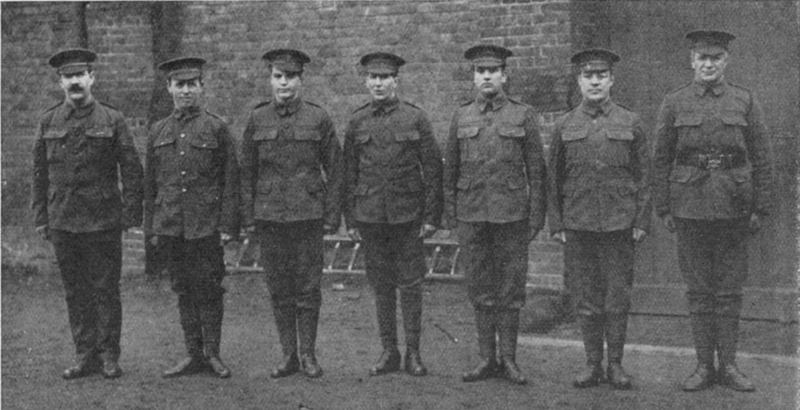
<point x="712" y="175"/>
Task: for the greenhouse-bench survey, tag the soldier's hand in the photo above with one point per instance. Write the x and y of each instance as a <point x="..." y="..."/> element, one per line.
<point x="224" y="238"/>
<point x="560" y="236"/>
<point x="532" y="234"/>
<point x="755" y="223"/>
<point x="669" y="222"/>
<point x="354" y="234"/>
<point x="639" y="235"/>
<point x="328" y="229"/>
<point x="154" y="240"/>
<point x="43" y="232"/>
<point x="426" y="231"/>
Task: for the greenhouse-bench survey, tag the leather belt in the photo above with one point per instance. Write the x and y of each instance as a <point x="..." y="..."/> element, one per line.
<point x="712" y="161"/>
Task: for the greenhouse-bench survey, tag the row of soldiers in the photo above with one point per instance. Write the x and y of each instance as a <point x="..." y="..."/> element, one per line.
<point x="294" y="182"/>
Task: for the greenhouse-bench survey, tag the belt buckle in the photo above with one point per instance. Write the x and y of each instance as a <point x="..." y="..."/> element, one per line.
<point x="714" y="162"/>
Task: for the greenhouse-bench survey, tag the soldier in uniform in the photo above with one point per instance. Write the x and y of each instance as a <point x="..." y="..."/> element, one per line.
<point x="494" y="183"/>
<point x="83" y="152"/>
<point x="599" y="207"/>
<point x="392" y="198"/>
<point x="712" y="176"/>
<point x="191" y="208"/>
<point x="291" y="165"/>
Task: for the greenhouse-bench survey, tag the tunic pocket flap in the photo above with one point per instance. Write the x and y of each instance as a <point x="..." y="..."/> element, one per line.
<point x="406" y="136"/>
<point x="464" y="184"/>
<point x="681" y="174"/>
<point x="362" y="137"/>
<point x="55" y="134"/>
<point x="407" y="185"/>
<point x="622" y="135"/>
<point x="164" y="139"/>
<point x="742" y="175"/>
<point x="688" y="120"/>
<point x="307" y="135"/>
<point x="511" y="131"/>
<point x="205" y="142"/>
<point x="264" y="187"/>
<point x="265" y="134"/>
<point x="516" y="182"/>
<point x="574" y="134"/>
<point x="734" y="118"/>
<point x="468" y="132"/>
<point x="100" y="132"/>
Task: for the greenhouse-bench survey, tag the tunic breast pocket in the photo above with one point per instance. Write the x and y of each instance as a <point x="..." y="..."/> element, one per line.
<point x="617" y="152"/>
<point x="467" y="137"/>
<point x="203" y="151"/>
<point x="56" y="143"/>
<point x="265" y="141"/>
<point x="512" y="138"/>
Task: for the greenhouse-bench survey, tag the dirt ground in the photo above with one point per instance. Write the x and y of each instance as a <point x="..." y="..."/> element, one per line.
<point x="36" y="347"/>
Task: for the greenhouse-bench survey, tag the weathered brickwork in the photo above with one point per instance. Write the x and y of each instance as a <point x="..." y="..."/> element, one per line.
<point x="232" y="36"/>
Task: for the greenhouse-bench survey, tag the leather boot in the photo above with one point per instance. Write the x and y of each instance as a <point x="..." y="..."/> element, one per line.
<point x="307" y="320"/>
<point x="85" y="365"/>
<point x="211" y="313"/>
<point x="194" y="362"/>
<point x="386" y="305"/>
<point x="286" y="323"/>
<point x="411" y="306"/>
<point x="704" y="341"/>
<point x="592" y="333"/>
<point x="727" y="340"/>
<point x="387" y="363"/>
<point x="615" y="331"/>
<point x="187" y="366"/>
<point x="487" y="368"/>
<point x="111" y="369"/>
<point x="509" y="329"/>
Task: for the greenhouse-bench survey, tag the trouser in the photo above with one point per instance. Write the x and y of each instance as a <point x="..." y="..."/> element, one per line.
<point x="90" y="264"/>
<point x="395" y="260"/>
<point x="599" y="277"/>
<point x="197" y="268"/>
<point x="495" y="261"/>
<point x="713" y="260"/>
<point x="292" y="257"/>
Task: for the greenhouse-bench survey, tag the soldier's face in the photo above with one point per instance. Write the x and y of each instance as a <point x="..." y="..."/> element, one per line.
<point x="489" y="80"/>
<point x="286" y="85"/>
<point x="709" y="67"/>
<point x="78" y="87"/>
<point x="381" y="86"/>
<point x="186" y="93"/>
<point x="595" y="85"/>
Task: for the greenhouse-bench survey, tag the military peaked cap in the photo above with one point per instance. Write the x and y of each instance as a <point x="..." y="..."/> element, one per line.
<point x="594" y="59"/>
<point x="381" y="63"/>
<point x="287" y="59"/>
<point x="73" y="61"/>
<point x="710" y="41"/>
<point x="183" y="68"/>
<point x="487" y="55"/>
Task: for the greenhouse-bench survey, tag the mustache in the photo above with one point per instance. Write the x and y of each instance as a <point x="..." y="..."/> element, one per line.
<point x="75" y="88"/>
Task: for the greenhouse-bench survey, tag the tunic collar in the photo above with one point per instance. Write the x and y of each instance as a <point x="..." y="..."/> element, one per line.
<point x="79" y="112"/>
<point x="289" y="107"/>
<point x="385" y="106"/>
<point x="593" y="110"/>
<point x="716" y="88"/>
<point x="497" y="102"/>
<point x="186" y="113"/>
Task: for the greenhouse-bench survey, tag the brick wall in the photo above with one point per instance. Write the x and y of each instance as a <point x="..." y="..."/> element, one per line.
<point x="232" y="36"/>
